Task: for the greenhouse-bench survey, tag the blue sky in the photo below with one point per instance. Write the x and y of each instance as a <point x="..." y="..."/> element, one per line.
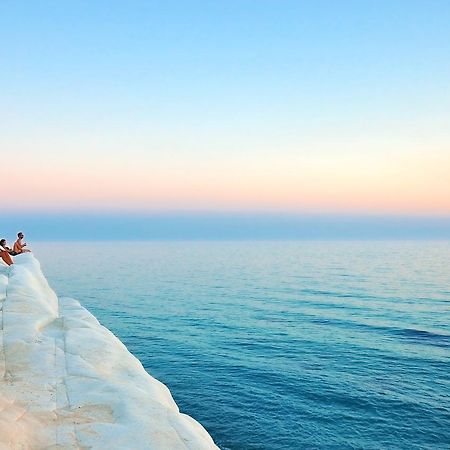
<point x="97" y="64"/>
<point x="249" y="107"/>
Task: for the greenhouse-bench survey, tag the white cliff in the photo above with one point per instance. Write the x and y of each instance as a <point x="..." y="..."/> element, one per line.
<point x="66" y="382"/>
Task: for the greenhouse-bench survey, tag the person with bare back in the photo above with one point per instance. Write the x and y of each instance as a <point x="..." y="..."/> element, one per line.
<point x="19" y="245"/>
<point x="5" y="252"/>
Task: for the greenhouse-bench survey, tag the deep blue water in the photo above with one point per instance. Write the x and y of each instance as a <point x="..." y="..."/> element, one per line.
<point x="281" y="345"/>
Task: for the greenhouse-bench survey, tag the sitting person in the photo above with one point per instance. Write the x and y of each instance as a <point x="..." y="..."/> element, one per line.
<point x="4" y="245"/>
<point x="19" y="245"/>
<point x="5" y="252"/>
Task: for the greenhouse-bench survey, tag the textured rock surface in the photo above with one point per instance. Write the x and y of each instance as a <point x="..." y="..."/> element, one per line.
<point x="68" y="382"/>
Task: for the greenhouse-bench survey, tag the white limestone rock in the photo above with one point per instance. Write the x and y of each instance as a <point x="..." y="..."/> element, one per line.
<point x="67" y="382"/>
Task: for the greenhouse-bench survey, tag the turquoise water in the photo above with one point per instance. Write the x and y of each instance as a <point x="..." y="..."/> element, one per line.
<point x="281" y="345"/>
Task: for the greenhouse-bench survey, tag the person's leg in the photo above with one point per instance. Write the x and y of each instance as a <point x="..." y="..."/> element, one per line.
<point x="6" y="257"/>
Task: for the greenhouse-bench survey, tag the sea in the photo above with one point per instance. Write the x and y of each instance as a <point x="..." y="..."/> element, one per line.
<point x="280" y="345"/>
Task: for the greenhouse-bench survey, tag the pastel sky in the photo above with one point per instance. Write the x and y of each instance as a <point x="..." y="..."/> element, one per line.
<point x="270" y="105"/>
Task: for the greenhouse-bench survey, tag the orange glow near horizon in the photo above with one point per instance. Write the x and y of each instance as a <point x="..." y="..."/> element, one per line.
<point x="417" y="184"/>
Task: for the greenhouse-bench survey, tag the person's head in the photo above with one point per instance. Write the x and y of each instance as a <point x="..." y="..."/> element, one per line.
<point x="20" y="235"/>
<point x="2" y="242"/>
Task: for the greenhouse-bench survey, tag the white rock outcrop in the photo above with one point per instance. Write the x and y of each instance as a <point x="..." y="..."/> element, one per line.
<point x="66" y="382"/>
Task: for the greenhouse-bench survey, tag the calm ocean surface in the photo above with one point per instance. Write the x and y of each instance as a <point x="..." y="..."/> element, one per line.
<point x="281" y="345"/>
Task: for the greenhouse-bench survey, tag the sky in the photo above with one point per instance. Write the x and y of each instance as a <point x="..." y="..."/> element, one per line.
<point x="283" y="108"/>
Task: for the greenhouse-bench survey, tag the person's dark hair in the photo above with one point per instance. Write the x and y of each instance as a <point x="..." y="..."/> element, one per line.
<point x="2" y="242"/>
<point x="19" y="233"/>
